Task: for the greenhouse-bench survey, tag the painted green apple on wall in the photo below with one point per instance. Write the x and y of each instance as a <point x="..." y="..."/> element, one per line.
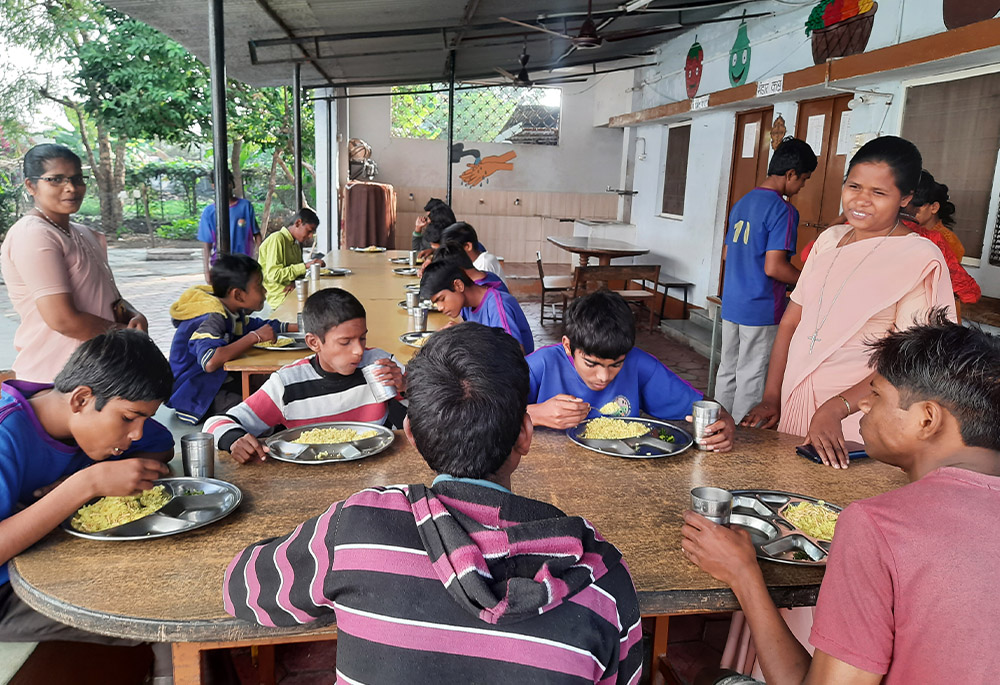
<point x="739" y="57"/>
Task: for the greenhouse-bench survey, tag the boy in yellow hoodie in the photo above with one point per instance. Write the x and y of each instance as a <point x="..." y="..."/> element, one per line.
<point x="214" y="326"/>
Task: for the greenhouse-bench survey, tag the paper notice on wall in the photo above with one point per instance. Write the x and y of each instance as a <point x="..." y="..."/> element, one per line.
<point x="750" y="139"/>
<point x="814" y="133"/>
<point x="844" y="138"/>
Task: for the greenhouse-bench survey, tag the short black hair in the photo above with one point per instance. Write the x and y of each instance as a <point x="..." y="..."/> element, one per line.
<point x="902" y="157"/>
<point x="123" y="364"/>
<point x="441" y="215"/>
<point x="461" y="233"/>
<point x="440" y="276"/>
<point x="601" y="325"/>
<point x="928" y="192"/>
<point x="451" y="251"/>
<point x="328" y="308"/>
<point x="792" y="155"/>
<point x="231" y="271"/>
<point x="945" y="362"/>
<point x="307" y="216"/>
<point x="432" y="203"/>
<point x="432" y="233"/>
<point x="35" y="158"/>
<point x="468" y="392"/>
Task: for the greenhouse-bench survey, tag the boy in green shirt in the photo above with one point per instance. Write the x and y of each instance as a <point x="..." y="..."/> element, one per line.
<point x="280" y="256"/>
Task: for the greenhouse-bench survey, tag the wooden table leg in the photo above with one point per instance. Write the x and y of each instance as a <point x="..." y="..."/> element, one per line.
<point x="187" y="662"/>
<point x="245" y="380"/>
<point x="584" y="259"/>
<point x="604" y="260"/>
<point x="263" y="658"/>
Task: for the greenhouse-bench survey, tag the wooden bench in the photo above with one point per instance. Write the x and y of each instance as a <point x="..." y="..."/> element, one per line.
<point x="668" y="281"/>
<point x="600" y="276"/>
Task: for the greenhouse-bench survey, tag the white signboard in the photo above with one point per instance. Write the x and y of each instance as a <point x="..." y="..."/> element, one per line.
<point x="814" y="133"/>
<point x="750" y="139"/>
<point x="844" y="137"/>
<point x="699" y="103"/>
<point x="772" y="86"/>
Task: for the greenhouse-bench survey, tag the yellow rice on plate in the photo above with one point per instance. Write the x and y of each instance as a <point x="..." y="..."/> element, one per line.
<point x="610" y="408"/>
<point x="613" y="429"/>
<point x="330" y="436"/>
<point x="280" y="342"/>
<point x="816" y="520"/>
<point x="109" y="512"/>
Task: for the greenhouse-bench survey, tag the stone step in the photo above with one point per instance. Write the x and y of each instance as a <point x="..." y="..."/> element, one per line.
<point x="169" y="254"/>
<point x="693" y="332"/>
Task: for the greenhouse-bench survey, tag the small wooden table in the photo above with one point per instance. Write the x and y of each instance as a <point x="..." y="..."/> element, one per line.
<point x="604" y="250"/>
<point x="378" y="288"/>
<point x="169" y="589"/>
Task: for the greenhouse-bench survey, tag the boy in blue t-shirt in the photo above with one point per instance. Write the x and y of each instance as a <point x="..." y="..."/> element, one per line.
<point x="50" y="438"/>
<point x="762" y="235"/>
<point x="244" y="233"/>
<point x="598" y="371"/>
<point x="450" y="290"/>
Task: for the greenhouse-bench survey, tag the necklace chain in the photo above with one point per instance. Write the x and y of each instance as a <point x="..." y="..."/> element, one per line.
<point x="814" y="338"/>
<point x="54" y="224"/>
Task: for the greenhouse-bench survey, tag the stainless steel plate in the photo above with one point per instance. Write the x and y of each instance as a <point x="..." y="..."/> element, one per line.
<point x="403" y="260"/>
<point x="335" y="271"/>
<point x="413" y="337"/>
<point x="365" y="249"/>
<point x="296" y="344"/>
<point x="336" y="452"/>
<point x="182" y="513"/>
<point x="649" y="446"/>
<point x="760" y="513"/>
<point x="405" y="271"/>
<point x="413" y="287"/>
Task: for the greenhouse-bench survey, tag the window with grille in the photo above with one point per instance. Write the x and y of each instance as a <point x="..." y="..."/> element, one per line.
<point x="498" y="114"/>
<point x="675" y="173"/>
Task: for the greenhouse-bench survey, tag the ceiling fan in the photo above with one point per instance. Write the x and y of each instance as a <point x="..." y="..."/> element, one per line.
<point x="522" y="78"/>
<point x="589" y="35"/>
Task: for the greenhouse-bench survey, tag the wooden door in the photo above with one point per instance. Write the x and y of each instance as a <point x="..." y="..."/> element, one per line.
<point x="819" y="123"/>
<point x="751" y="149"/>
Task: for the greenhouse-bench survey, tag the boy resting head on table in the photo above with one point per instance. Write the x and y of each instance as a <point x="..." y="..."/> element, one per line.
<point x="463" y="581"/>
<point x="214" y="326"/>
<point x="327" y="386"/>
<point x="597" y="371"/>
<point x="455" y="294"/>
<point x="62" y="445"/>
<point x="909" y="594"/>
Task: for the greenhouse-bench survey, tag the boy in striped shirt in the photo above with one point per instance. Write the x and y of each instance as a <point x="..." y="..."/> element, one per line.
<point x="462" y="581"/>
<point x="328" y="386"/>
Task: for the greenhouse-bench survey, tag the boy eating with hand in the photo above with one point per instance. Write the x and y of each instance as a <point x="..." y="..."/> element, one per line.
<point x="328" y="386"/>
<point x="597" y="371"/>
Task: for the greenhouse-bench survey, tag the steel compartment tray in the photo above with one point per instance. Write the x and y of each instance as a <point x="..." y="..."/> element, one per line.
<point x="759" y="512"/>
<point x="412" y="337"/>
<point x="182" y="513"/>
<point x="366" y="447"/>
<point x="643" y="447"/>
<point x="296" y="344"/>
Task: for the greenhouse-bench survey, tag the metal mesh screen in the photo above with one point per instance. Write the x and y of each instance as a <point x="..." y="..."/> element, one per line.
<point x="995" y="247"/>
<point x="498" y="114"/>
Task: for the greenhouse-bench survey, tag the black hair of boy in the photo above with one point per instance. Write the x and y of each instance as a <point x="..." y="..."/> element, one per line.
<point x="451" y="251"/>
<point x="440" y="276"/>
<point x="468" y="390"/>
<point x="36" y="157"/>
<point x="329" y="308"/>
<point x="307" y="216"/>
<point x="231" y="271"/>
<point x="955" y="366"/>
<point x="124" y="364"/>
<point x="441" y="215"/>
<point x="461" y="233"/>
<point x="902" y="157"/>
<point x="600" y="325"/>
<point x="792" y="154"/>
<point x="432" y="233"/>
<point x="432" y="203"/>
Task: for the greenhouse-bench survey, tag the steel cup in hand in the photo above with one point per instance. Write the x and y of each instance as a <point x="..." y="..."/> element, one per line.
<point x="198" y="455"/>
<point x="382" y="391"/>
<point x="715" y="504"/>
<point x="703" y="414"/>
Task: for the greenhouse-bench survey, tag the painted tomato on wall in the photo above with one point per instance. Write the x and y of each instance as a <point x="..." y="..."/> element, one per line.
<point x="739" y="57"/>
<point x="692" y="68"/>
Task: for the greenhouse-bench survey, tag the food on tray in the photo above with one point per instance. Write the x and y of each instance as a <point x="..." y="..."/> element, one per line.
<point x="613" y="429"/>
<point x="663" y="435"/>
<point x="370" y="248"/>
<point x="329" y="436"/>
<point x="192" y="493"/>
<point x="109" y="512"/>
<point x="609" y="408"/>
<point x="419" y="342"/>
<point x="280" y="342"/>
<point x="816" y="520"/>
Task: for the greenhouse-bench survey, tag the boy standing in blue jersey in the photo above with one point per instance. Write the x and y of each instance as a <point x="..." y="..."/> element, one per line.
<point x="762" y="235"/>
<point x="597" y="371"/>
<point x="455" y="294"/>
<point x="244" y="233"/>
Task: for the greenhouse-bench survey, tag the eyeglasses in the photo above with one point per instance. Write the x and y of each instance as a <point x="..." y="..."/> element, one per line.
<point x="60" y="181"/>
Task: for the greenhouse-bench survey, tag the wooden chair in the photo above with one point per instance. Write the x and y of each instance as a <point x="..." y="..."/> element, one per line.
<point x="601" y="276"/>
<point x="551" y="284"/>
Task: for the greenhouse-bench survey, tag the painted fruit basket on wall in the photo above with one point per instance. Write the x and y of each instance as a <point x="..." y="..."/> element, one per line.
<point x="840" y="27"/>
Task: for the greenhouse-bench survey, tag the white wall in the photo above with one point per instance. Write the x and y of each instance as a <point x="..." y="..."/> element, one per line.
<point x="587" y="159"/>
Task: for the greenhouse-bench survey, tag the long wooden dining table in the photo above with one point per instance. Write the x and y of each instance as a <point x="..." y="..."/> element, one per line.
<point x="170" y="589"/>
<point x="380" y="290"/>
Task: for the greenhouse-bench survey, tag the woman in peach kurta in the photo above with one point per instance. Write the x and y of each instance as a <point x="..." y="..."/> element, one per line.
<point x="863" y="279"/>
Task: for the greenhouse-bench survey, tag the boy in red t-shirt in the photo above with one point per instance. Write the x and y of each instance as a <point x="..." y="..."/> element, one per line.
<point x="909" y="593"/>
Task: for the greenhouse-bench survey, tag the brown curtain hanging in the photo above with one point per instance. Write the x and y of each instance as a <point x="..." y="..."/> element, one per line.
<point x="369" y="215"/>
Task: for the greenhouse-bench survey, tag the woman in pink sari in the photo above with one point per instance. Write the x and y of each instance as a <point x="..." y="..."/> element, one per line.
<point x="862" y="280"/>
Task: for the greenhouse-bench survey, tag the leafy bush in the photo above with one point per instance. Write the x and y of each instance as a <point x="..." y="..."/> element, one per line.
<point x="182" y="229"/>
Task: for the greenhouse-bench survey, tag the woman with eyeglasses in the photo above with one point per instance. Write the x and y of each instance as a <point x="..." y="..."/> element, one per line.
<point x="57" y="271"/>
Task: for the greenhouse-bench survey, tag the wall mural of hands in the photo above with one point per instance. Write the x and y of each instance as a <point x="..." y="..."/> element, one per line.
<point x="486" y="167"/>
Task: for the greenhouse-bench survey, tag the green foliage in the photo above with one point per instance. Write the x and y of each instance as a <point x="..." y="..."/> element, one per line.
<point x="10" y="191"/>
<point x="181" y="229"/>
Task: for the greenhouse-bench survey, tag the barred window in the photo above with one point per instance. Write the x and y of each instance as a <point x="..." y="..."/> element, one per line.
<point x="497" y="114"/>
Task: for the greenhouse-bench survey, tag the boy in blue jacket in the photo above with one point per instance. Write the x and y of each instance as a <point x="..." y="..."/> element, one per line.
<point x="597" y="371"/>
<point x="213" y="327"/>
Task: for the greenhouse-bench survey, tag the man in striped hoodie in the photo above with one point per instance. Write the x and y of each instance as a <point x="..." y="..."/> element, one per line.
<point x="462" y="581"/>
